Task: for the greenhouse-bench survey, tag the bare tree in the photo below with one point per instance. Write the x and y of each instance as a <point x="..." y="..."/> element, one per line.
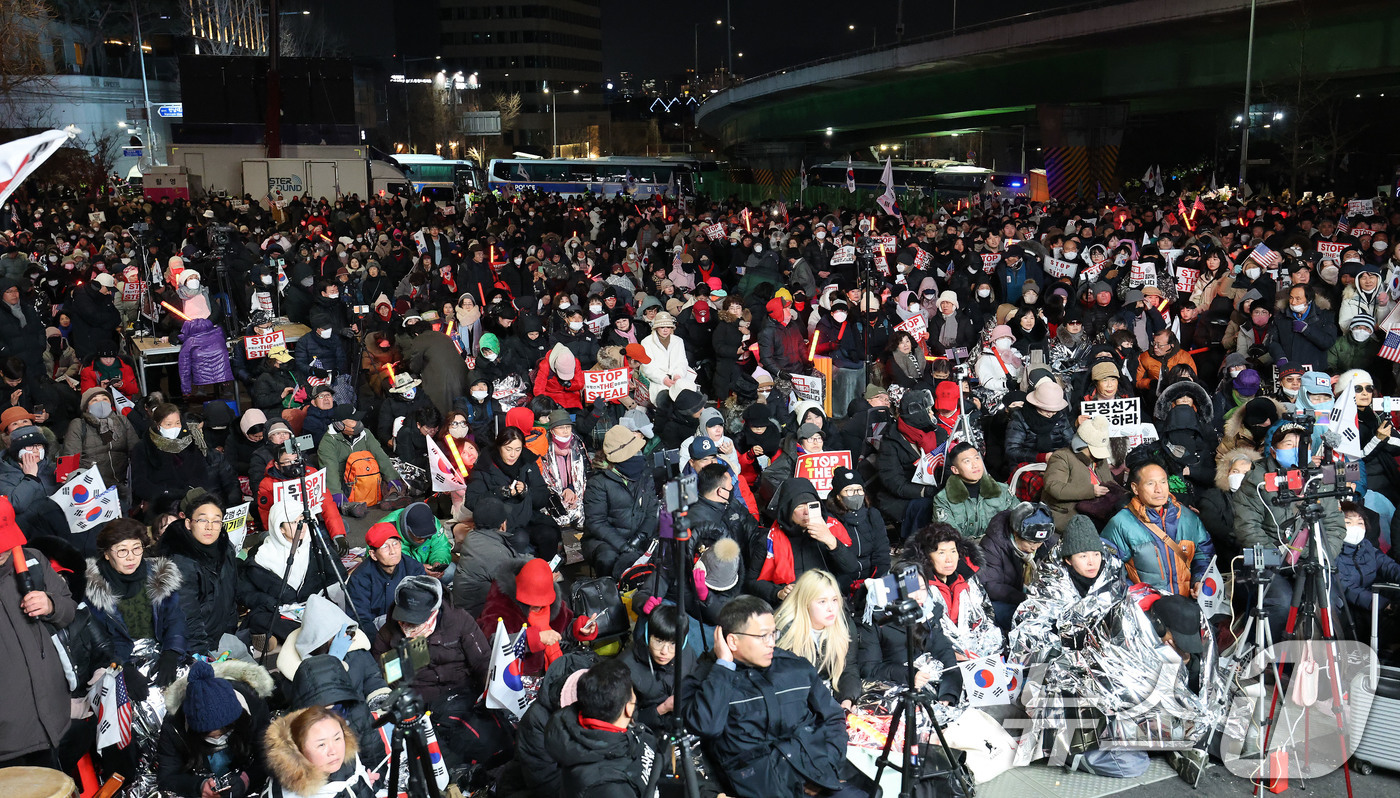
<point x="509" y="106"/>
<point x="24" y="69"/>
<point x="227" y="27"/>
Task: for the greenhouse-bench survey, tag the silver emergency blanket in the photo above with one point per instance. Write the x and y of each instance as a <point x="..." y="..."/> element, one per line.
<point x="146" y="719"/>
<point x="1099" y="654"/>
<point x="975" y="629"/>
<point x="509" y="391"/>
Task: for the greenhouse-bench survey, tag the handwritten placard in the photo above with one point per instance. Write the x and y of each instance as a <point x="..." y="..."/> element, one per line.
<point x="609" y="384"/>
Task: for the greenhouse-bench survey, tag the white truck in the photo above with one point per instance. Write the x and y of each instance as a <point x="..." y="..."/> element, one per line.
<point x="318" y="171"/>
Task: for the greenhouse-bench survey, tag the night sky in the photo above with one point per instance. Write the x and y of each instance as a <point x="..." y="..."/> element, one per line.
<point x="653" y="39"/>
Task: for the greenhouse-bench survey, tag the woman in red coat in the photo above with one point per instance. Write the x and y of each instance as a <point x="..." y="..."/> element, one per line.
<point x="529" y="597"/>
<point x="107" y="370"/>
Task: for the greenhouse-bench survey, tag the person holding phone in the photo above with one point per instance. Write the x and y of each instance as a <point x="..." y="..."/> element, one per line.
<point x="802" y="538"/>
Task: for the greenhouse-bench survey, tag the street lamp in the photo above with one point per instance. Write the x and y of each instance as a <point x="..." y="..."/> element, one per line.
<point x="407" y="111"/>
<point x="554" y="111"/>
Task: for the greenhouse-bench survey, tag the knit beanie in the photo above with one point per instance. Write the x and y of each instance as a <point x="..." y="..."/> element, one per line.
<point x="1080" y="536"/>
<point x="210" y="702"/>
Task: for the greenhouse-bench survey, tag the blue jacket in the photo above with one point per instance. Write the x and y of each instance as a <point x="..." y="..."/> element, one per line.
<point x="168" y="618"/>
<point x="372" y="590"/>
<point x="317" y="422"/>
<point x="1360" y="566"/>
<point x="1149" y="556"/>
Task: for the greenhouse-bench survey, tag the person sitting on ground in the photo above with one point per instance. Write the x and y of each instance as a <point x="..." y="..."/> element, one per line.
<point x="313" y="753"/>
<point x="371" y="586"/>
<point x="214" y="735"/>
<point x="1018" y="542"/>
<point x="801" y="539"/>
<point x="651" y="659"/>
<point x="528" y="596"/>
<point x="949" y="563"/>
<point x="601" y="752"/>
<point x="488" y="550"/>
<point x="972" y="498"/>
<point x="812" y="624"/>
<point x="1163" y="543"/>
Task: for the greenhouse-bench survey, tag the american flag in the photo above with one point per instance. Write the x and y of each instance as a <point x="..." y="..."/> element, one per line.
<point x="113" y="711"/>
<point x="1344" y="226"/>
<point x="1390" y="350"/>
<point x="1266" y="257"/>
<point x="522" y="644"/>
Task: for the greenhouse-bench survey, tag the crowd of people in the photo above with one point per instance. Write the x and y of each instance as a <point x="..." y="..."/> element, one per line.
<point x="1062" y="416"/>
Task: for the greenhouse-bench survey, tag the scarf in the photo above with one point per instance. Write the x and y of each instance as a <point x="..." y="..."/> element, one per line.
<point x="512" y="471"/>
<point x="948" y="332"/>
<point x="910" y="364"/>
<point x="539" y="619"/>
<point x="19" y="314"/>
<point x="946" y="423"/>
<point x="779" y="567"/>
<point x="275" y="551"/>
<point x="633" y="468"/>
<point x="469" y="315"/>
<point x="112" y="372"/>
<point x="169" y="445"/>
<point x="1081" y="583"/>
<point x="926" y="441"/>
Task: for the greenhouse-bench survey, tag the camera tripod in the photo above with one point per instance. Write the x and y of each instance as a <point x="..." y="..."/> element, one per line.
<point x="412" y="728"/>
<point x="915" y="769"/>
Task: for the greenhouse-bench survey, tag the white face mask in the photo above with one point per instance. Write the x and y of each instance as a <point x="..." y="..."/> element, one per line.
<point x="821" y="234"/>
<point x="409" y="393"/>
<point x="1235" y="480"/>
<point x="324" y="333"/>
<point x="1355" y="533"/>
<point x="757" y="249"/>
<point x="1003" y="343"/>
<point x="333" y="296"/>
<point x="1252" y="273"/>
<point x="984" y="292"/>
<point x="488" y="354"/>
<point x="1298" y="308"/>
<point x="1235" y="372"/>
<point x="914" y="307"/>
<point x="267" y="279"/>
<point x="1072" y="255"/>
<point x="839" y="316"/>
<point x="519" y="261"/>
<point x="1361" y="336"/>
<point x="564" y="305"/>
<point x="479" y="396"/>
<point x="1380" y="246"/>
<point x="595" y="308"/>
<point x="172" y="434"/>
<point x="1291" y="393"/>
<point x="193" y="284"/>
<point x="575" y="325"/>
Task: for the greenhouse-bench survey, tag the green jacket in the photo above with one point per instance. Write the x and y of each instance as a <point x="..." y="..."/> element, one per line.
<point x="335" y="450"/>
<point x="1153" y="560"/>
<point x="1259" y="521"/>
<point x="435" y="550"/>
<point x="1347" y="354"/>
<point x="954" y="506"/>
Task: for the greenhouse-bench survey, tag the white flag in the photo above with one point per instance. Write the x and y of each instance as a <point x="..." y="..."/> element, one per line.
<point x="80" y="488"/>
<point x="887" y="200"/>
<point x="505" y="689"/>
<point x="445" y="476"/>
<point x="1212" y="597"/>
<point x="19" y="158"/>
<point x="985" y="681"/>
<point x="1157" y="182"/>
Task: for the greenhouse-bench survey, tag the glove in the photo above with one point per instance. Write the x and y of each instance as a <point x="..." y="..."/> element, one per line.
<point x="702" y="590"/>
<point x="1299" y="325"/>
<point x="137" y="688"/>
<point x="342" y="546"/>
<point x="650" y="604"/>
<point x="1283" y="361"/>
<point x="599" y="406"/>
<point x="784" y="375"/>
<point x="166" y="668"/>
<point x="339" y="499"/>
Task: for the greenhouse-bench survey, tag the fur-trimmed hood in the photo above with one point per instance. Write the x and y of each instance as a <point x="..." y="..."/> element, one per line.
<point x="234" y="670"/>
<point x="289" y="766"/>
<point x="1234" y="425"/>
<point x="162" y="581"/>
<point x="1223" y="461"/>
<point x="988" y="488"/>
<point x="1320" y="301"/>
<point x="1175" y="391"/>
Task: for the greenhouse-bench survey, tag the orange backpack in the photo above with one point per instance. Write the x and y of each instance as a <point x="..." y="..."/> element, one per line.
<point x="362" y="481"/>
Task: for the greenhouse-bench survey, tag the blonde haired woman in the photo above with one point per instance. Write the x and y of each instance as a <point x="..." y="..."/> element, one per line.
<point x="812" y="624"/>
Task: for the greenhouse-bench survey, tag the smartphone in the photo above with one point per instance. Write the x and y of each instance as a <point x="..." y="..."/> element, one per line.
<point x="814" y="509"/>
<point x="39" y="410"/>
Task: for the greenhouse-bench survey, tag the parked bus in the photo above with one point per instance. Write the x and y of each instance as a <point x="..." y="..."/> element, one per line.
<point x="438" y="177"/>
<point x="638" y="177"/>
<point x="948" y="178"/>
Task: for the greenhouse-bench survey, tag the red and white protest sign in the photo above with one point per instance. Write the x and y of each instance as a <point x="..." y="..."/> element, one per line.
<point x="131" y="292"/>
<point x="291" y="489"/>
<point x="843" y="255"/>
<point x="1144" y="273"/>
<point x="990" y="261"/>
<point x="820" y="467"/>
<point x="922" y="259"/>
<point x="257" y="346"/>
<point x="1056" y="267"/>
<point x="1186" y="280"/>
<point x="916" y="325"/>
<point x="610" y="384"/>
<point x="1330" y="250"/>
<point x="1361" y="207"/>
<point x="1092" y="271"/>
<point x="714" y="232"/>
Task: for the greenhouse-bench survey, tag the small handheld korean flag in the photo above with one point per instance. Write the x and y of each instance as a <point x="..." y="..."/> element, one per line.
<point x="887" y="200"/>
<point x="985" y="682"/>
<point x="445" y="476"/>
<point x="102" y="508"/>
<point x="80" y="489"/>
<point x="1212" y="595"/>
<point x="505" y="687"/>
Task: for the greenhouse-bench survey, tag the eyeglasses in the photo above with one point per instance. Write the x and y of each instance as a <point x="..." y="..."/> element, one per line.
<point x="124" y="554"/>
<point x="769" y="638"/>
<point x="1365" y="389"/>
<point x="458" y="424"/>
<point x="207" y="521"/>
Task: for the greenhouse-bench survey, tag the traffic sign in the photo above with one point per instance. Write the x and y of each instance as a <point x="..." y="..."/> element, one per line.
<point x="171" y="111"/>
<point x="132" y="152"/>
<point x="135" y="114"/>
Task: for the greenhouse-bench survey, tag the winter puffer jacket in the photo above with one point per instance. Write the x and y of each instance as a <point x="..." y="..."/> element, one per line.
<point x="162" y="588"/>
<point x="652" y="683"/>
<point x="527" y="508"/>
<point x="96" y="321"/>
<point x="105" y="443"/>
<point x="1003" y="573"/>
<point x="372" y="590"/>
<point x="535" y="771"/>
<point x="208" y="585"/>
<point x="601" y="763"/>
<point x="1025" y="445"/>
<point x="323" y="680"/>
<point x="458" y="655"/>
<point x="503" y="610"/>
<point x="972" y="517"/>
<point x="621" y="518"/>
<point x="203" y="355"/>
<point x="183" y="764"/>
<point x="1360" y="566"/>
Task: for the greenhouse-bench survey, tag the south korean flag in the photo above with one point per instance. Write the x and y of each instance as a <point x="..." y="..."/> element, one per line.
<point x="985" y="682"/>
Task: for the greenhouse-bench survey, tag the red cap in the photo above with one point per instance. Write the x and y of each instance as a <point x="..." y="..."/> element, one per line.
<point x="638" y="353"/>
<point x="946" y="396"/>
<point x="534" y="586"/>
<point x="381" y="533"/>
<point x="10" y="533"/>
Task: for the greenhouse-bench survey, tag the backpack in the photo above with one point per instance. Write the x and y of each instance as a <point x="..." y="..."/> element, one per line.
<point x="362" y="480"/>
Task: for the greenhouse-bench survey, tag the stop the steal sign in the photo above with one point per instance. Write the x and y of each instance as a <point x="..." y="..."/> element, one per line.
<point x="819" y="468"/>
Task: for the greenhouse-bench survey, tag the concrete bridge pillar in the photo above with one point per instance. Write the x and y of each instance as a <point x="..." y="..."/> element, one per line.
<point x="1081" y="148"/>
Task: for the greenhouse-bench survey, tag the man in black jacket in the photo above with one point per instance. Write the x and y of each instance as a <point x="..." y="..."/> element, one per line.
<point x="1017" y="542"/>
<point x="772" y="725"/>
<point x="602" y="753"/>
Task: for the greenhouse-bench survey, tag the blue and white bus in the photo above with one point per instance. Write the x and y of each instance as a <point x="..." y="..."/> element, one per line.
<point x="607" y="177"/>
<point x="949" y="177"/>
<point x="438" y="177"/>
